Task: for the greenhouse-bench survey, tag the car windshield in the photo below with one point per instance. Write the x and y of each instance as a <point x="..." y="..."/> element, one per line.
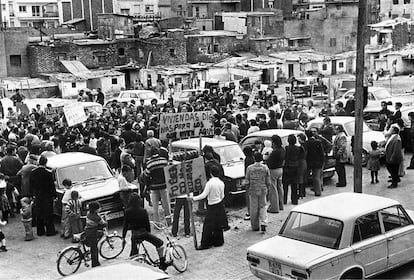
<point x="313" y="229"/>
<point x="382" y="94"/>
<point x="231" y="153"/>
<point x="350" y="128"/>
<point x="88" y="171"/>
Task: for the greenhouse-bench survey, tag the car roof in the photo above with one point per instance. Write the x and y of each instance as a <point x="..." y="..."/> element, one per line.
<point x="372" y="89"/>
<point x="341" y="119"/>
<point x="271" y="132"/>
<point x="194" y="143"/>
<point x="345" y="206"/>
<point x="69" y="159"/>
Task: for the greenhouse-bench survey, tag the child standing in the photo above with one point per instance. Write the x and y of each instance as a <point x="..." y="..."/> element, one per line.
<point x="67" y="184"/>
<point x="374" y="162"/>
<point x="26" y="212"/>
<point x="4" y="201"/>
<point x="73" y="212"/>
<point x="2" y="237"/>
<point x="125" y="179"/>
<point x="93" y="230"/>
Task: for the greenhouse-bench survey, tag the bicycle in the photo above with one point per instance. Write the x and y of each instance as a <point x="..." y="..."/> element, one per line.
<point x="175" y="254"/>
<point x="69" y="259"/>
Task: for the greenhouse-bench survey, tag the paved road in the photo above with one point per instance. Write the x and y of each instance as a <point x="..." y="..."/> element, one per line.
<point x="37" y="259"/>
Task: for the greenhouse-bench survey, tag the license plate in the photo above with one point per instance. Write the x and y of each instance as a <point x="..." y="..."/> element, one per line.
<point x="275" y="267"/>
<point x="115" y="215"/>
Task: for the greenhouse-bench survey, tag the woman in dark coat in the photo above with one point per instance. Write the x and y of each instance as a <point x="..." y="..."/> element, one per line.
<point x="290" y="170"/>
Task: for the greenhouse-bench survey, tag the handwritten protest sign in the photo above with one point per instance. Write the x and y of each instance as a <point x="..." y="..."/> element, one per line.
<point x="184" y="125"/>
<point x="52" y="112"/>
<point x="196" y="177"/>
<point x="74" y="114"/>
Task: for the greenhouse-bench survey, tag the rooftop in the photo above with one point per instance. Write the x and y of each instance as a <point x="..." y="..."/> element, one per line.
<point x="302" y="56"/>
<point x="345" y="206"/>
<point x="215" y="33"/>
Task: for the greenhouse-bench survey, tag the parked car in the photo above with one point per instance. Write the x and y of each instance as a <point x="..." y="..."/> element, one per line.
<point x="182" y="97"/>
<point x="126" y="96"/>
<point x="342" y="236"/>
<point x="91" y="177"/>
<point x="231" y="156"/>
<point x="348" y="123"/>
<point x="371" y="116"/>
<point x="262" y="135"/>
<point x="378" y="94"/>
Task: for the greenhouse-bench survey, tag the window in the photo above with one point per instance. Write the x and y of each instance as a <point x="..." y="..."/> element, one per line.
<point x="341" y="65"/>
<point x="172" y="53"/>
<point x="204" y="28"/>
<point x="61" y="56"/>
<point x="332" y="42"/>
<point x="324" y="67"/>
<point x="121" y="51"/>
<point x="3" y="7"/>
<point x="22" y="9"/>
<point x="407" y="1"/>
<point x="216" y="48"/>
<point x="36" y="11"/>
<point x="16" y="60"/>
<point x="149" y="9"/>
<point x="197" y="12"/>
<point x="125" y="11"/>
<point x="114" y="81"/>
<point x="101" y="58"/>
<point x="394" y="217"/>
<point x="395" y="2"/>
<point x="366" y="227"/>
<point x="74" y="85"/>
<point x="178" y="80"/>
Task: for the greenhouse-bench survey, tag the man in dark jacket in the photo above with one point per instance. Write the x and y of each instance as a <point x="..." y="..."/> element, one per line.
<point x="393" y="156"/>
<point x="315" y="159"/>
<point x="86" y="148"/>
<point x="42" y="183"/>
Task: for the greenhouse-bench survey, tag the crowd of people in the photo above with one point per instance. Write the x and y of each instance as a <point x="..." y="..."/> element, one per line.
<point x="126" y="136"/>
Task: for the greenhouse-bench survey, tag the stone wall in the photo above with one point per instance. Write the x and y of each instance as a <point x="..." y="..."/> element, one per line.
<point x="13" y="54"/>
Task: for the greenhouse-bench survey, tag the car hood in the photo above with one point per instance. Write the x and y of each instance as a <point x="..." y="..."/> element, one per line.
<point x="98" y="188"/>
<point x="289" y="251"/>
<point x="234" y="170"/>
<point x="370" y="136"/>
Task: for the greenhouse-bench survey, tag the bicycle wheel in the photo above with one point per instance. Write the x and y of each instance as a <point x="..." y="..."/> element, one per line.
<point x="69" y="261"/>
<point x="111" y="247"/>
<point x="178" y="257"/>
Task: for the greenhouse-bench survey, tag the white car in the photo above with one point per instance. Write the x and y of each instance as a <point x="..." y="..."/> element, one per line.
<point x="231" y="156"/>
<point x="378" y="94"/>
<point x="348" y="123"/>
<point x="127" y="95"/>
<point x="342" y="236"/>
<point x="91" y="177"/>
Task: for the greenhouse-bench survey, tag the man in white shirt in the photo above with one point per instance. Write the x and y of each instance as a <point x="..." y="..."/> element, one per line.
<point x="212" y="228"/>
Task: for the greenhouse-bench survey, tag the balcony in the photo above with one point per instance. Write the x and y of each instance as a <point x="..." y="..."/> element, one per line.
<point x="50" y="14"/>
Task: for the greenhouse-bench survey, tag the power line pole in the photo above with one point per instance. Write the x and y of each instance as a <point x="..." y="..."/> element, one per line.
<point x="359" y="98"/>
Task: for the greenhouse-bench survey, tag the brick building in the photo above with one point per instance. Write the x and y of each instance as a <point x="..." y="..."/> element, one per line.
<point x="13" y="53"/>
<point x="107" y="54"/>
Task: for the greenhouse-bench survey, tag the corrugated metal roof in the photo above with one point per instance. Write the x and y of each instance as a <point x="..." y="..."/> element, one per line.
<point x="75" y="67"/>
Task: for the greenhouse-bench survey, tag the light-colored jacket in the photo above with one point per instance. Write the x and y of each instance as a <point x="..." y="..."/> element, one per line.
<point x="257" y="178"/>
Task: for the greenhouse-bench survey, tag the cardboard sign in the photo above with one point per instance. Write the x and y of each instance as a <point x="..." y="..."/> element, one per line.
<point x="52" y="112"/>
<point x="74" y="114"/>
<point x="185" y="125"/>
<point x="196" y="177"/>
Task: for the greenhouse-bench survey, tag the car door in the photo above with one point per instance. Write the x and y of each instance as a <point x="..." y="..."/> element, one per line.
<point x="369" y="244"/>
<point x="399" y="232"/>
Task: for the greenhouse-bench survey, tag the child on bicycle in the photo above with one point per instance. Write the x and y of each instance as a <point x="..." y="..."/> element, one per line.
<point x="93" y="230"/>
<point x="136" y="219"/>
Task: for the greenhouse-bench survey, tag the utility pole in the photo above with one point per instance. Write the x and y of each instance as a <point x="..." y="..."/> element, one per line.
<point x="359" y="98"/>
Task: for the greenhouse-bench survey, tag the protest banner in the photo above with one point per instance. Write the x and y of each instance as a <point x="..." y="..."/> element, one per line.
<point x="52" y="112"/>
<point x="74" y="114"/>
<point x="185" y="125"/>
<point x="176" y="181"/>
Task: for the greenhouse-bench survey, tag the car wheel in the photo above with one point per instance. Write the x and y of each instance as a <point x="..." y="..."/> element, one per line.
<point x="353" y="274"/>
